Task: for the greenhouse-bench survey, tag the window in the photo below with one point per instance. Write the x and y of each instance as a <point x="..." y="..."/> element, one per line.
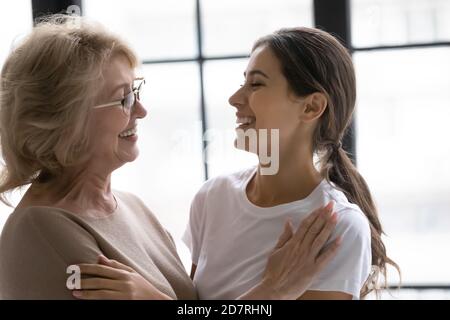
<point x="387" y="22"/>
<point x="230" y="27"/>
<point x="155" y="29"/>
<point x="401" y="126"/>
<point x="402" y="152"/>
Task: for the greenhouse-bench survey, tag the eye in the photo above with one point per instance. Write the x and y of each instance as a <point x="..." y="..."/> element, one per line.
<point x="253" y="85"/>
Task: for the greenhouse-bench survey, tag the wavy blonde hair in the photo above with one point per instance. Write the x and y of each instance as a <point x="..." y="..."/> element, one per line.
<point x="48" y="84"/>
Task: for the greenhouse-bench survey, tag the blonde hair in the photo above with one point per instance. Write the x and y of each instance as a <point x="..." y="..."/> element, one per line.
<point x="48" y="84"/>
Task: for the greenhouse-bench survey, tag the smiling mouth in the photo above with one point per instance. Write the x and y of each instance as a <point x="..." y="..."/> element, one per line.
<point x="128" y="133"/>
<point x="244" y="122"/>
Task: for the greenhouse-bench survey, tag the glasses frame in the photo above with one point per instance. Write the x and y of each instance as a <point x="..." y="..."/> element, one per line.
<point x="135" y="96"/>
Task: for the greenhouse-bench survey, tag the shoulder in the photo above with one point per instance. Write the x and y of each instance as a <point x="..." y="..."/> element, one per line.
<point x="136" y="207"/>
<point x="48" y="225"/>
<point x="353" y="224"/>
<point x="134" y="203"/>
<point x="36" y="246"/>
<point x="351" y="219"/>
<point x="40" y="219"/>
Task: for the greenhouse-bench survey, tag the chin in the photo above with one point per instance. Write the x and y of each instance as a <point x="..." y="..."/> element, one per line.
<point x="130" y="157"/>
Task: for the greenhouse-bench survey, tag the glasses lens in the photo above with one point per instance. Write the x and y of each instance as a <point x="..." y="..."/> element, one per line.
<point x="128" y="102"/>
<point x="138" y="89"/>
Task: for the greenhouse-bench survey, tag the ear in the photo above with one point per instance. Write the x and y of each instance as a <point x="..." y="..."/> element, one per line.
<point x="314" y="106"/>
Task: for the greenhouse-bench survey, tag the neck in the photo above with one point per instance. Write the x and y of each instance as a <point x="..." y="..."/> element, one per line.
<point x="79" y="190"/>
<point x="295" y="180"/>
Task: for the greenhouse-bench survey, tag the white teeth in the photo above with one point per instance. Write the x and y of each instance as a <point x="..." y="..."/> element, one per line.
<point x="245" y="120"/>
<point x="128" y="133"/>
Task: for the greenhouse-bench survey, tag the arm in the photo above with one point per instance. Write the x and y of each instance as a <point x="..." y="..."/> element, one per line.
<point x="296" y="259"/>
<point x="325" y="295"/>
<point x="37" y="246"/>
<point x="111" y="279"/>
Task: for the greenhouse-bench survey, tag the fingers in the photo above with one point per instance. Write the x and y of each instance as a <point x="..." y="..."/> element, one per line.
<point x="324" y="235"/>
<point x="100" y="284"/>
<point x="97" y="294"/>
<point x="102" y="271"/>
<point x="316" y="226"/>
<point x="287" y="234"/>
<point x="305" y="224"/>
<point x="113" y="264"/>
<point x="328" y="253"/>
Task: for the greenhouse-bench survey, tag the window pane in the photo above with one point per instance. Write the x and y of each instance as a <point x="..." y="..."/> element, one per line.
<point x="156" y="29"/>
<point x="12" y="28"/>
<point x="403" y="152"/>
<point x="222" y="79"/>
<point x="230" y="27"/>
<point x="387" y="22"/>
<point x="169" y="169"/>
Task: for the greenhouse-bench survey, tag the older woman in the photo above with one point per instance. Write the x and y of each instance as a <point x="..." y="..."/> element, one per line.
<point x="69" y="113"/>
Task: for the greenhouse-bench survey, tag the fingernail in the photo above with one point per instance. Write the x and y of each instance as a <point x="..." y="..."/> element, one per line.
<point x="334" y="217"/>
<point x="103" y="259"/>
<point x="77" y="294"/>
<point x="329" y="207"/>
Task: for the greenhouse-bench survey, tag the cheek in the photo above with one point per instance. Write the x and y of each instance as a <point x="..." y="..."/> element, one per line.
<point x="272" y="112"/>
<point x="105" y="130"/>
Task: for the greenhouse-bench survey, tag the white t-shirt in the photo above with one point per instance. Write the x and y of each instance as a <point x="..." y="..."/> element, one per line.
<point x="230" y="238"/>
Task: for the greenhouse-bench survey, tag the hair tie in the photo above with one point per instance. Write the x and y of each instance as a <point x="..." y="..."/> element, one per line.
<point x="337" y="146"/>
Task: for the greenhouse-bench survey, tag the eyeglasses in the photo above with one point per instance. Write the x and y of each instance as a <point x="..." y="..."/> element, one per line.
<point x="129" y="101"/>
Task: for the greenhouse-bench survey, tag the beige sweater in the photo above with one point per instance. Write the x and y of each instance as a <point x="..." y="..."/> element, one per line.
<point x="37" y="245"/>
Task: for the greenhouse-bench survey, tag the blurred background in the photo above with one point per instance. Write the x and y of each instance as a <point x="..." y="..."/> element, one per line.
<point x="193" y="55"/>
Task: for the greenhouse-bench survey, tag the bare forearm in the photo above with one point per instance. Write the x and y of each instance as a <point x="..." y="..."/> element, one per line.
<point x="260" y="292"/>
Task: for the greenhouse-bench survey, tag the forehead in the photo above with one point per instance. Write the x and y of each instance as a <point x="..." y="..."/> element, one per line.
<point x="118" y="70"/>
<point x="265" y="60"/>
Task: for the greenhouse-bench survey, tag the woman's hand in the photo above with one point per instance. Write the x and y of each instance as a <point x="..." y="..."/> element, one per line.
<point x="298" y="257"/>
<point x="113" y="280"/>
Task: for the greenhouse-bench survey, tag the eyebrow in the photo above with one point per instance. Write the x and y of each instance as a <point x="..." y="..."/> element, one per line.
<point x="125" y="85"/>
<point x="253" y="72"/>
<point x="120" y="86"/>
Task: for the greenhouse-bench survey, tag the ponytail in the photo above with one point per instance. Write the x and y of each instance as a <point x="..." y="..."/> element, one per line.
<point x="341" y="171"/>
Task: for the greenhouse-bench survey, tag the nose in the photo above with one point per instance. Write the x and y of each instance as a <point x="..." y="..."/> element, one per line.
<point x="139" y="110"/>
<point x="238" y="99"/>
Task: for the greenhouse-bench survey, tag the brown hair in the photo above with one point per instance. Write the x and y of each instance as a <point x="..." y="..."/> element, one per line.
<point x="48" y="84"/>
<point x="314" y="61"/>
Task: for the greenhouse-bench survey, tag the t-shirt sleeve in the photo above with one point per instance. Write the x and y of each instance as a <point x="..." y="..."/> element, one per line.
<point x="350" y="268"/>
<point x="36" y="249"/>
<point x="193" y="234"/>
